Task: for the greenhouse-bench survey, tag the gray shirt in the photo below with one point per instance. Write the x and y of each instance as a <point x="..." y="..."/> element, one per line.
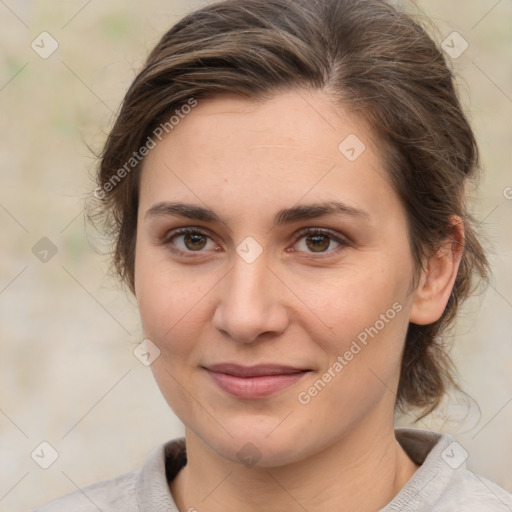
<point x="442" y="483"/>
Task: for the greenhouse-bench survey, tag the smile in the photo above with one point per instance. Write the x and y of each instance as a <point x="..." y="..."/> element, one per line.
<point x="254" y="382"/>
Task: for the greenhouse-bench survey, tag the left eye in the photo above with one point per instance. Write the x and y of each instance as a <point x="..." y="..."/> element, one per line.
<point x="317" y="242"/>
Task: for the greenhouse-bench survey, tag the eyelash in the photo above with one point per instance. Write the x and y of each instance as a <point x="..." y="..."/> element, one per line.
<point x="343" y="242"/>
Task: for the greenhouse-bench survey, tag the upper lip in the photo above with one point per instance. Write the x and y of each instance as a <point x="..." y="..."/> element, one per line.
<point x="254" y="371"/>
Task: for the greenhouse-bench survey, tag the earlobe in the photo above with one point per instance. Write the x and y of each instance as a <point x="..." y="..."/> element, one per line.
<point x="438" y="277"/>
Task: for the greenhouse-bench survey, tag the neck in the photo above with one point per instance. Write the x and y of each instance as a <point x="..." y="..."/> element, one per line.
<point x="363" y="471"/>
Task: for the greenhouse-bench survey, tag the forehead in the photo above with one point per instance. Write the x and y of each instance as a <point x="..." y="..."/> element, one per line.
<point x="294" y="145"/>
<point x="303" y="120"/>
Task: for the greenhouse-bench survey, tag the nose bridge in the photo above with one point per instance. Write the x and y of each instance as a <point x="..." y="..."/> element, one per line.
<point x="249" y="303"/>
<point x="248" y="280"/>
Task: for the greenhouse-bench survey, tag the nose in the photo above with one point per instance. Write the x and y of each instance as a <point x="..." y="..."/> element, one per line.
<point x="250" y="302"/>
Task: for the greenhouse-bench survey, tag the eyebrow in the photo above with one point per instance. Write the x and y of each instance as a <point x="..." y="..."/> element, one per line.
<point x="284" y="216"/>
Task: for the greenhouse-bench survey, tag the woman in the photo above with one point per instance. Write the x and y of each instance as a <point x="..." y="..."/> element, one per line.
<point x="285" y="182"/>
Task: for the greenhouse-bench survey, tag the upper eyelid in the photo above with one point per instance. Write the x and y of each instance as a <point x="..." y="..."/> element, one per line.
<point x="324" y="231"/>
<point x="187" y="229"/>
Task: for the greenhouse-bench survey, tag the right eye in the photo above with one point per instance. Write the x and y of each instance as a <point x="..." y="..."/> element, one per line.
<point x="189" y="240"/>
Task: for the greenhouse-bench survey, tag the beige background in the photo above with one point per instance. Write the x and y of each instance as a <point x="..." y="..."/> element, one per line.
<point x="67" y="372"/>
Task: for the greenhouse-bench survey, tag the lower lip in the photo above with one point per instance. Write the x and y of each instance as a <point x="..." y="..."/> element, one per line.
<point x="254" y="387"/>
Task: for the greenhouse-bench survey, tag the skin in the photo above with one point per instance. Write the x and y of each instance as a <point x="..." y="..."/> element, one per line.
<point x="202" y="303"/>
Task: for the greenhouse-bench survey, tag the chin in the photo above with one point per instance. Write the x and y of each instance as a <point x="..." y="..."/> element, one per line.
<point x="256" y="442"/>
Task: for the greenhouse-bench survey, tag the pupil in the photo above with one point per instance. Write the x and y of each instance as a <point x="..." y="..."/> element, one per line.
<point x="320" y="242"/>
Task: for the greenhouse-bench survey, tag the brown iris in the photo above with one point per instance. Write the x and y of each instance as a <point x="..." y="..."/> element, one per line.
<point x="194" y="241"/>
<point x="317" y="243"/>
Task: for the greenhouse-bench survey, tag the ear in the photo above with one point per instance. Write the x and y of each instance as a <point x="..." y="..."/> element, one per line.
<point x="438" y="277"/>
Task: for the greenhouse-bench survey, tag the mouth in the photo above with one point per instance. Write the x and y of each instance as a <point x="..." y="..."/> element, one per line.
<point x="254" y="381"/>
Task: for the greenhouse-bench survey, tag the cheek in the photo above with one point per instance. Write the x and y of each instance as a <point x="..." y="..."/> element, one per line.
<point x="368" y="311"/>
<point x="172" y="314"/>
<point x="354" y="299"/>
<point x="362" y="360"/>
<point x="172" y="303"/>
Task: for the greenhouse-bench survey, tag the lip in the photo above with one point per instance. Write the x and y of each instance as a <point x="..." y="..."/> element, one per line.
<point x="254" y="381"/>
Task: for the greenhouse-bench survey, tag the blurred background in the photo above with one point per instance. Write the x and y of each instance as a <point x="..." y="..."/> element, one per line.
<point x="68" y="375"/>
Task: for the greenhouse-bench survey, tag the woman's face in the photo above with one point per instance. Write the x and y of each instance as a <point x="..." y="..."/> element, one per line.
<point x="281" y="313"/>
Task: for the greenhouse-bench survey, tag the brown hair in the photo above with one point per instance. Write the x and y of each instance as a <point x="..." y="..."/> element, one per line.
<point x="369" y="57"/>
